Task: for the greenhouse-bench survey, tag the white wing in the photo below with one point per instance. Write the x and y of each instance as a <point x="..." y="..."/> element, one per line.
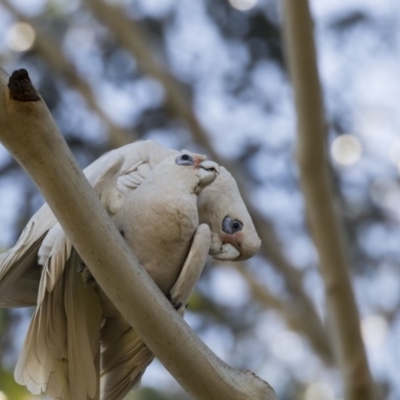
<point x="62" y="347"/>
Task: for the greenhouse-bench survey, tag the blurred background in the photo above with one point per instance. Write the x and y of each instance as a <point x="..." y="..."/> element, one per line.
<point x="210" y="76"/>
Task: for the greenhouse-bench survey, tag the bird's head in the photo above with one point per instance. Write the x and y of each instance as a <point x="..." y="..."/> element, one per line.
<point x="187" y="171"/>
<point x="221" y="206"/>
<point x="204" y="171"/>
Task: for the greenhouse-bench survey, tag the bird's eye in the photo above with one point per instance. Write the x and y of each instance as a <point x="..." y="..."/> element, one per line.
<point x="184" y="159"/>
<point x="231" y="226"/>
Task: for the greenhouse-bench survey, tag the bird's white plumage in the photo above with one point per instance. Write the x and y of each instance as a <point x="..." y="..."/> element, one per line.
<point x="53" y="357"/>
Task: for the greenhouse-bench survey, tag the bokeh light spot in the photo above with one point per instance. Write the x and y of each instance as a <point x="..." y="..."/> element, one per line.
<point x="346" y="149"/>
<point x="3" y="396"/>
<point x="319" y="391"/>
<point x="243" y="5"/>
<point x="374" y="330"/>
<point x="20" y="37"/>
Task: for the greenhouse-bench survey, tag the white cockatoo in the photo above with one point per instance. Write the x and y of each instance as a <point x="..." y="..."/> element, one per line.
<point x="221" y="207"/>
<point x="69" y="308"/>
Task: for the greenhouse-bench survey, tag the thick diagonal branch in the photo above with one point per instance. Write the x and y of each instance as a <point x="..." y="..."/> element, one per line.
<point x="319" y="196"/>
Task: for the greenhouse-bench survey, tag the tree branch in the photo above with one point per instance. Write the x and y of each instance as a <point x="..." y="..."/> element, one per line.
<point x="28" y="131"/>
<point x="342" y="310"/>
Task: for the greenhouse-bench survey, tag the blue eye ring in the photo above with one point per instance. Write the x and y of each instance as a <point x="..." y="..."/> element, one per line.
<point x="231" y="226"/>
<point x="184" y="159"/>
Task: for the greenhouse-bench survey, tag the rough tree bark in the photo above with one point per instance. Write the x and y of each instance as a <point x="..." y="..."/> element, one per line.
<point x="342" y="313"/>
<point x="30" y="134"/>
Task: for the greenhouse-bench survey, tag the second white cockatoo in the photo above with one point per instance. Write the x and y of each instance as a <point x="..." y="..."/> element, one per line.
<point x="124" y="356"/>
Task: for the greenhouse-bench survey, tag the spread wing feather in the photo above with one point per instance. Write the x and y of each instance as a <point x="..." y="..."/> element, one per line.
<point x="23" y="280"/>
<point x="53" y="254"/>
<point x="44" y="345"/>
<point x="123" y="363"/>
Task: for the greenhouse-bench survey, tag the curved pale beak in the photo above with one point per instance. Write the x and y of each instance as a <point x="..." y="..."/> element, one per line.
<point x="207" y="172"/>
